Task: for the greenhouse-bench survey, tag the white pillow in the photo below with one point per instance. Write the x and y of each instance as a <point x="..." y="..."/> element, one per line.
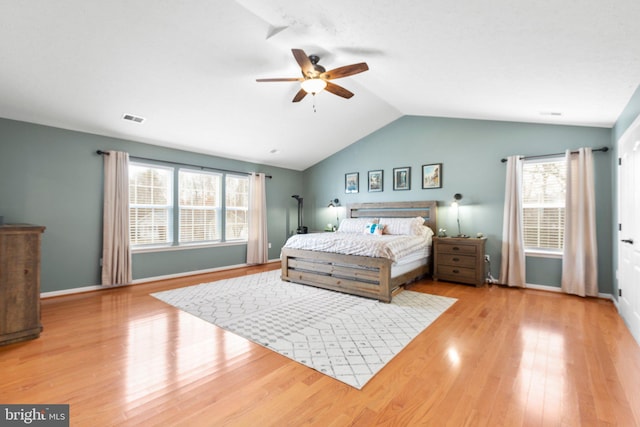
<point x="404" y="226"/>
<point x="355" y="225"/>
<point x="427" y="232"/>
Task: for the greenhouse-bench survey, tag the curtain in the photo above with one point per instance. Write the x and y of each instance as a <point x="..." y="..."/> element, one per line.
<point x="512" y="268"/>
<point x="580" y="257"/>
<point x="257" y="251"/>
<point x="116" y="250"/>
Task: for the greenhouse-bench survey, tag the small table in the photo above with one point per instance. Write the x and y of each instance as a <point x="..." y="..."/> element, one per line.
<point x="459" y="259"/>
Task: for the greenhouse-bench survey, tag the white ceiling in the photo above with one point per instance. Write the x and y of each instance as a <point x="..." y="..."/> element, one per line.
<point x="189" y="68"/>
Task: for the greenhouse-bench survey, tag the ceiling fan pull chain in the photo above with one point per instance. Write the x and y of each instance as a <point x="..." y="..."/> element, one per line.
<point x="314" y="103"/>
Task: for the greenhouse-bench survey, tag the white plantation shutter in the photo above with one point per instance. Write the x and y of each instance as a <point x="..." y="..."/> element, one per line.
<point x="543" y="204"/>
<point x="200" y="206"/>
<point x="150" y="204"/>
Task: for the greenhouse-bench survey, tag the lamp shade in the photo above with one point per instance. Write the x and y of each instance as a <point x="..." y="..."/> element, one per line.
<point x="455" y="203"/>
<point x="313" y="86"/>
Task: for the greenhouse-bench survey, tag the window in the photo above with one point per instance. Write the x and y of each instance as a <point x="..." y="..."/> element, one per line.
<point x="150" y="204"/>
<point x="543" y="204"/>
<point x="199" y="206"/>
<point x="237" y="207"/>
<point x="212" y="206"/>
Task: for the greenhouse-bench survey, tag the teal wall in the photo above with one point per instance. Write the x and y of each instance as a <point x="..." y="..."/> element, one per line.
<point x="627" y="117"/>
<point x="470" y="151"/>
<point x="53" y="177"/>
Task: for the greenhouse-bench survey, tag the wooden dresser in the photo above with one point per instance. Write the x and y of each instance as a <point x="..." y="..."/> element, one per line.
<point x="459" y="259"/>
<point x="19" y="282"/>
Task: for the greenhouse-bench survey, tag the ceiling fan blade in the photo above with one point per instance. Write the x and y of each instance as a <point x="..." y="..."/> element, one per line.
<point x="347" y="70"/>
<point x="284" y="79"/>
<point x="338" y="90"/>
<point x="304" y="62"/>
<point x="301" y="94"/>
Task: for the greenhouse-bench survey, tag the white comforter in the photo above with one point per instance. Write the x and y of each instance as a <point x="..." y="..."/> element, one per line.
<point x="389" y="246"/>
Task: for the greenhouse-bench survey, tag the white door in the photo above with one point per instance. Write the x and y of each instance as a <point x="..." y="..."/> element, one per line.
<point x="629" y="234"/>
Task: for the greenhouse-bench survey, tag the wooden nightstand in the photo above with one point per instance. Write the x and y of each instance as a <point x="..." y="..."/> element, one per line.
<point x="459" y="259"/>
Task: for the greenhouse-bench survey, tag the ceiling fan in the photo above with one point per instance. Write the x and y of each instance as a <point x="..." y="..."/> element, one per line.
<point x="315" y="77"/>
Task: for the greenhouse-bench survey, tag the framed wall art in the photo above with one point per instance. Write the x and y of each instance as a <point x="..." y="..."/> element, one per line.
<point x="375" y="180"/>
<point x="432" y="175"/>
<point x="351" y="182"/>
<point x="402" y="178"/>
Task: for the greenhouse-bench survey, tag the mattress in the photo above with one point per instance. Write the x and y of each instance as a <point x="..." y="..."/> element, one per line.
<point x="410" y="262"/>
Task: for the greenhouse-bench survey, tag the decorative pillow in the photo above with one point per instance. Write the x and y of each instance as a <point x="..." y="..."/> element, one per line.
<point x="355" y="225"/>
<point x="373" y="228"/>
<point x="427" y="232"/>
<point x="404" y="226"/>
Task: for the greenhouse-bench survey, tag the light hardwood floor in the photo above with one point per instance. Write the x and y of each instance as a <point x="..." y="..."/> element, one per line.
<point x="498" y="357"/>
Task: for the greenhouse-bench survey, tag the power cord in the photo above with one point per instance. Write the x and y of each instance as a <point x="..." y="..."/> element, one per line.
<point x="490" y="279"/>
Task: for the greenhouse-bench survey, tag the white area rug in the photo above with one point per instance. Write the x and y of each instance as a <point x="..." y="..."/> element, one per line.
<point x="346" y="337"/>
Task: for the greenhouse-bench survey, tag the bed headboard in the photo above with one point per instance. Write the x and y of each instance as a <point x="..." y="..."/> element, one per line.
<point x="426" y="209"/>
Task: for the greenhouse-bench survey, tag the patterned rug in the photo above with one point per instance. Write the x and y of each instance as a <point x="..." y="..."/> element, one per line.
<point x="347" y="337"/>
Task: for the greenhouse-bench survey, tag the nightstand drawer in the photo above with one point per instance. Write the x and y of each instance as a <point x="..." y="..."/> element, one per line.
<point x="456" y="260"/>
<point x="461" y="274"/>
<point x="452" y="248"/>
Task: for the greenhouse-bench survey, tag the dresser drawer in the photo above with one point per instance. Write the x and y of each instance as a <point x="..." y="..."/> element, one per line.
<point x="452" y="248"/>
<point x="457" y="260"/>
<point x="456" y="274"/>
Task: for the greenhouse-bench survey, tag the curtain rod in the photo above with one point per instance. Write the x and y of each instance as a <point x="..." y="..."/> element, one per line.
<point x="542" y="156"/>
<point x="106" y="153"/>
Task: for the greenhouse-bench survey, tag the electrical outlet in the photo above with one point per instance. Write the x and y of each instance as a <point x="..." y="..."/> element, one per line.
<point x="487" y="258"/>
<point x="269" y="245"/>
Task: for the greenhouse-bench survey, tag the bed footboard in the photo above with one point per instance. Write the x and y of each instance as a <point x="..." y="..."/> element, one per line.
<point x="352" y="274"/>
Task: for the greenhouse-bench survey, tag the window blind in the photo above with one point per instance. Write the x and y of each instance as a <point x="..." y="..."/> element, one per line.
<point x="200" y="206"/>
<point x="237" y="205"/>
<point x="150" y="204"/>
<point x="543" y="203"/>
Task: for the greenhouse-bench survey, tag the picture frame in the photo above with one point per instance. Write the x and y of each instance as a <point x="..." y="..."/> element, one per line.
<point x="432" y="176"/>
<point x="351" y="182"/>
<point x="376" y="180"/>
<point x="402" y="178"/>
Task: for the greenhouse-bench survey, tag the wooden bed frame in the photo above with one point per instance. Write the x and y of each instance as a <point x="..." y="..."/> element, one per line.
<point x="359" y="275"/>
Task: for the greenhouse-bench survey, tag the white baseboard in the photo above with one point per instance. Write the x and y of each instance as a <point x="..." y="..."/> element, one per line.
<point x="63" y="292"/>
<point x="556" y="289"/>
<point x="52" y="294"/>
<point x="616" y="304"/>
<point x="543" y="287"/>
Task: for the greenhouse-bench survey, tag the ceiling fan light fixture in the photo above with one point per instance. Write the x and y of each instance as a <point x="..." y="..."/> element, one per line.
<point x="313" y="86"/>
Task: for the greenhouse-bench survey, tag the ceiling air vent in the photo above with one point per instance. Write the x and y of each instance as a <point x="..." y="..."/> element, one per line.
<point x="550" y="113"/>
<point x="133" y="118"/>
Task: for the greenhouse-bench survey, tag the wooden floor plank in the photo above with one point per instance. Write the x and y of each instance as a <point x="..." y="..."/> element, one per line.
<point x="498" y="357"/>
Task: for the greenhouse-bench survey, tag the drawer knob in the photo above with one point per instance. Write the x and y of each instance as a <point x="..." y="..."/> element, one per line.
<point x="455" y="248"/>
<point x="456" y="259"/>
<point x="456" y="271"/>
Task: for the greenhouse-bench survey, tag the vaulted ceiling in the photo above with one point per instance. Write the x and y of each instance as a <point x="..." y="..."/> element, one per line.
<point x="189" y="68"/>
